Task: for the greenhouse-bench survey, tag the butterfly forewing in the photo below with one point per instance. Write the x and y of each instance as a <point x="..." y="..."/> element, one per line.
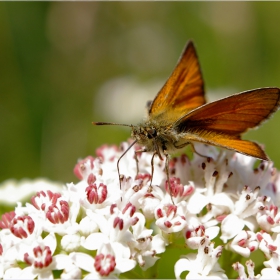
<point x="183" y="91"/>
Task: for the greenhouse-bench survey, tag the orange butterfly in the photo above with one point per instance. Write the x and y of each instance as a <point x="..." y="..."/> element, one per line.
<point x="178" y="115"/>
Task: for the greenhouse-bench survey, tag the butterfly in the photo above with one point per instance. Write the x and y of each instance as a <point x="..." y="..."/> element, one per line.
<point x="179" y="115"/>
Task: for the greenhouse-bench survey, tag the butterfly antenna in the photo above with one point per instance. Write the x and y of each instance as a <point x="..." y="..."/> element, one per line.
<point x="107" y="123"/>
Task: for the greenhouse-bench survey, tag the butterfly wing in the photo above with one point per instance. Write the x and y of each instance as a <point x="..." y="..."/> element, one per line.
<point x="221" y="122"/>
<point x="183" y="91"/>
<point x="248" y="148"/>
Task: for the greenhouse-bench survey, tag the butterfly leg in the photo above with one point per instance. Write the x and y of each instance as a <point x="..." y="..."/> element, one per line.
<point x="195" y="151"/>
<point x="181" y="145"/>
<point x="136" y="158"/>
<point x="118" y="162"/>
<point x="192" y="147"/>
<point x="152" y="165"/>
<point x="167" y="172"/>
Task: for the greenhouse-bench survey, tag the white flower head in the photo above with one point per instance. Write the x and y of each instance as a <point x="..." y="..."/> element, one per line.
<point x="109" y="262"/>
<point x="244" y="243"/>
<point x="123" y="215"/>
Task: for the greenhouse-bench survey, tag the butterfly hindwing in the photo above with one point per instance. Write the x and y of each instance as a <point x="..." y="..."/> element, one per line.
<point x="229" y="142"/>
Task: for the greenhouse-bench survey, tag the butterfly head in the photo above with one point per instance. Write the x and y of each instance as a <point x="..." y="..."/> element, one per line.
<point x="144" y="133"/>
<point x="153" y="137"/>
<point x="149" y="136"/>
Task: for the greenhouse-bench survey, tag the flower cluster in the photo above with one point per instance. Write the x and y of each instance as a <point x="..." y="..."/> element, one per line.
<point x="223" y="208"/>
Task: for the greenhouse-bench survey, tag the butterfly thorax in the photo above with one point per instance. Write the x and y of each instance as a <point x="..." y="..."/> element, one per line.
<point x="154" y="136"/>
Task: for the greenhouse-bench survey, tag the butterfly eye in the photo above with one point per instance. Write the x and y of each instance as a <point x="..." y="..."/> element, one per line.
<point x="152" y="133"/>
<point x="148" y="104"/>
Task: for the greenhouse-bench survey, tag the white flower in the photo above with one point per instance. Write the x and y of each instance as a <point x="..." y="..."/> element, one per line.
<point x="268" y="217"/>
<point x="52" y="211"/>
<point x="171" y="218"/>
<point x="39" y="259"/>
<point x="246" y="206"/>
<point x="202" y="265"/>
<point x="244" y="243"/>
<point x="25" y="188"/>
<point x="8" y="255"/>
<point x="106" y="226"/>
<point x="195" y="237"/>
<point x="145" y="246"/>
<point x="109" y="262"/>
<point x="269" y="244"/>
<point x="272" y="268"/>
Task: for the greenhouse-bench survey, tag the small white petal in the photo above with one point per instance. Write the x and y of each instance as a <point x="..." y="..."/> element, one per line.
<point x="212" y="232"/>
<point x="87" y="226"/>
<point x="270" y="273"/>
<point x="70" y="242"/>
<point x="245" y="252"/>
<point x="124" y="265"/>
<point x="182" y="265"/>
<point x="231" y="226"/>
<point x="223" y="199"/>
<point x="120" y="250"/>
<point x="212" y="275"/>
<point x="196" y="203"/>
<point x="15" y="273"/>
<point x="61" y="261"/>
<point x="158" y="244"/>
<point x="83" y="261"/>
<point x="28" y="273"/>
<point x="251" y="223"/>
<point x="94" y="241"/>
<point x="71" y="272"/>
<point x="50" y="241"/>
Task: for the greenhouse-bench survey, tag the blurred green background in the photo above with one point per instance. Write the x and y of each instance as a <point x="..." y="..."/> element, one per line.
<point x="66" y="64"/>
